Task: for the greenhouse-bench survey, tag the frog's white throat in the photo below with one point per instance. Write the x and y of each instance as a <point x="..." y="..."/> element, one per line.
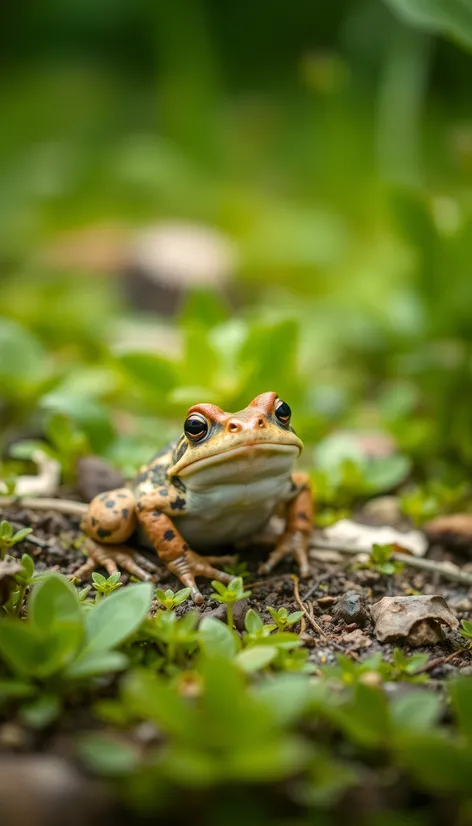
<point x="241" y="465"/>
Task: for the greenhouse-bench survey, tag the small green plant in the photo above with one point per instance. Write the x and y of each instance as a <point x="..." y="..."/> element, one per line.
<point x="434" y="498"/>
<point x="105" y="585"/>
<point x="60" y="643"/>
<point x="381" y="561"/>
<point x="282" y="619"/>
<point x="169" y="600"/>
<point x="237" y="568"/>
<point x="8" y="536"/>
<point x="66" y="444"/>
<point x="375" y="670"/>
<point x="15" y="577"/>
<point x="466" y="631"/>
<point x="175" y="639"/>
<point x="229" y="595"/>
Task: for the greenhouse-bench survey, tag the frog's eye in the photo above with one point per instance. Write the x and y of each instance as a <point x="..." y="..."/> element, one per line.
<point x="283" y="412"/>
<point x="195" y="427"/>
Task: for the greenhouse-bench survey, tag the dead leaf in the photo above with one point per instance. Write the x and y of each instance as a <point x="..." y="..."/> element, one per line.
<point x="396" y="617"/>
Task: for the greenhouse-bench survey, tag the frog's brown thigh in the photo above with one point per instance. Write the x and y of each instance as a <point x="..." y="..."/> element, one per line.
<point x="110" y="521"/>
<point x="175" y="552"/>
<point x="298" y="525"/>
<point x="111" y="517"/>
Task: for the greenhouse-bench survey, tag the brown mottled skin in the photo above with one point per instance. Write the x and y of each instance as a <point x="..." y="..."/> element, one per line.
<point x="218" y="485"/>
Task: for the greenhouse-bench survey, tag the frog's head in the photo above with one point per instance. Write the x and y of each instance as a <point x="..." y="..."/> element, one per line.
<point x="221" y="447"/>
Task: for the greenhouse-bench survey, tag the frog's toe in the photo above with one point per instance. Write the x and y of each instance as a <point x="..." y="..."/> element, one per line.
<point x="112" y="558"/>
<point x="190" y="565"/>
<point x="291" y="544"/>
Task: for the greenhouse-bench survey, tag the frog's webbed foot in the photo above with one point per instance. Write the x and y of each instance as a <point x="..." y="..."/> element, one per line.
<point x="190" y="565"/>
<point x="293" y="544"/>
<point x="112" y="558"/>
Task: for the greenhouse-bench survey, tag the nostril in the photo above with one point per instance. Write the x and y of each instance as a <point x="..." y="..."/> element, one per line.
<point x="260" y="422"/>
<point x="233" y="427"/>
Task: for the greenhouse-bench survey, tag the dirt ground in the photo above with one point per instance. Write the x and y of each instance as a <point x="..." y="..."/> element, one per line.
<point x="323" y="593"/>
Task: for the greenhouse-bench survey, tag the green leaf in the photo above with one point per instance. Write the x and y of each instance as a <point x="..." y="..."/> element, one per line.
<point x="461" y="695"/>
<point x="115" y="618"/>
<point x="95" y="663"/>
<point x="253" y="622"/>
<point x="216" y="639"/>
<point x="287" y="696"/>
<point x="219" y="587"/>
<point x="20" y="535"/>
<point x="43" y="711"/>
<point x="14" y="689"/>
<point x="418" y="710"/>
<point x="452" y="18"/>
<point x="28" y="447"/>
<point x="150" y="697"/>
<point x="156" y="372"/>
<point x="22" y="358"/>
<point x="106" y="755"/>
<point x="181" y="595"/>
<point x="256" y="657"/>
<point x="19" y="646"/>
<point x="98" y="579"/>
<point x="54" y="601"/>
<point x="28" y="566"/>
<point x="387" y="473"/>
<point x="204" y="305"/>
<point x="6" y="530"/>
<point x="466" y="630"/>
<point x="294" y="617"/>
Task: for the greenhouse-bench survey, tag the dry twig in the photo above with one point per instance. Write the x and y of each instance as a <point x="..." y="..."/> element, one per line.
<point x="65" y="506"/>
<point x="448" y="571"/>
<point x="303" y="607"/>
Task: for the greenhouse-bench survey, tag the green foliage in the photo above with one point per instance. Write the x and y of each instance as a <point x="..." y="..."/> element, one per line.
<point x="282" y="619"/>
<point x="10" y="537"/>
<point x="229" y="595"/>
<point x="18" y="582"/>
<point x="466" y="630"/>
<point x="450" y="17"/>
<point x="380" y="560"/>
<point x="169" y="600"/>
<point x="434" y="498"/>
<point x="402" y="668"/>
<point x="59" y="642"/>
<point x="344" y="474"/>
<point x="351" y="227"/>
<point x="105" y="585"/>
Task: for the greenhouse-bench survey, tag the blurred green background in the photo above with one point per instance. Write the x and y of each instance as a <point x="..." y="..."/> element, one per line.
<point x="326" y="147"/>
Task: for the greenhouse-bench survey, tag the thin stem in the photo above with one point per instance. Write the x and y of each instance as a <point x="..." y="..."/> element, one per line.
<point x="229" y="614"/>
<point x="19" y="604"/>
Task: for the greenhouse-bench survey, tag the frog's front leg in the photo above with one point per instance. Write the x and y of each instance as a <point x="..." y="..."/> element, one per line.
<point x="109" y="521"/>
<point x="298" y="525"/>
<point x="172" y="548"/>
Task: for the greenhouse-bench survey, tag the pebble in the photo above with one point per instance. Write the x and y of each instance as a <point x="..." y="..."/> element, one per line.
<point x="350" y="608"/>
<point x="383" y="510"/>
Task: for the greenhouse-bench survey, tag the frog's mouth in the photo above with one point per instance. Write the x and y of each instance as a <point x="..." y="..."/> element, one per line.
<point x="244" y="454"/>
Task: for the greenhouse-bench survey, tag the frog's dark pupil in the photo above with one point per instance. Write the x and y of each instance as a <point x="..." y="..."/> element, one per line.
<point x="283" y="412"/>
<point x="195" y="427"/>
